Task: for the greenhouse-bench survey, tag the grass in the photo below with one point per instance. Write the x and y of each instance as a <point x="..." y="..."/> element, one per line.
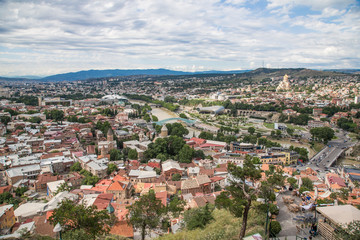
<point x="269" y="125"/>
<point x="353" y="136"/>
<point x="348" y="161"/>
<point x="318" y="146"/>
<point x="295" y="127"/>
<point x="224" y="226"/>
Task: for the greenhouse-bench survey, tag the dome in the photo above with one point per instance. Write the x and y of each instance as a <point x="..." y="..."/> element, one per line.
<point x="115" y="96"/>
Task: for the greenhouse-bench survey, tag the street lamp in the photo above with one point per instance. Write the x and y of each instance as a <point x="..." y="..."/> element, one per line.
<point x="57" y="229"/>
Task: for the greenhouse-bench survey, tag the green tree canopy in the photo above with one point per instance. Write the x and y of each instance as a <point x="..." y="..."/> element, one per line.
<point x="306" y="182"/>
<point x="186" y="154"/>
<point x="55" y="114"/>
<point x="176" y="177"/>
<point x="146" y="213"/>
<point x="132" y="154"/>
<point x="206" y="135"/>
<point x="198" y="217"/>
<point x="176" y="129"/>
<point x="251" y="130"/>
<point x="115" y="154"/>
<point x="111" y="168"/>
<point x="292" y="181"/>
<point x="76" y="167"/>
<point x="324" y="134"/>
<point x="73" y="216"/>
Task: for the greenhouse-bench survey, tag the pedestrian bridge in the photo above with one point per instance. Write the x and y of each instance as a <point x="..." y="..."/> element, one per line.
<point x="187" y="121"/>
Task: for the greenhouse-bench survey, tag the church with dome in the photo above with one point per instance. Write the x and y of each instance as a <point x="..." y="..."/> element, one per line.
<point x="284" y="84"/>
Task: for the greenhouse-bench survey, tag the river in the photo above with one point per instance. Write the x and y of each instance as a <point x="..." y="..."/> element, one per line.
<point x="163" y="113"/>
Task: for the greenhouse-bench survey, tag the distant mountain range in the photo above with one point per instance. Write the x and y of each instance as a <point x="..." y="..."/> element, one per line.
<point x="91" y="74"/>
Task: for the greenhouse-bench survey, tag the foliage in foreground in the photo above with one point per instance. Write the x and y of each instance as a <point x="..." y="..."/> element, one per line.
<point x="224" y="226"/>
<point x="73" y="217"/>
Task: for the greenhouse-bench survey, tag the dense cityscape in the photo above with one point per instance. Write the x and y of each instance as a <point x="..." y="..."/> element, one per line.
<point x="180" y="120"/>
<point x="174" y="157"/>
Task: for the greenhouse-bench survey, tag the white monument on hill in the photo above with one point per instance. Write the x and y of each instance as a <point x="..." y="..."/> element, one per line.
<point x="285" y="84"/>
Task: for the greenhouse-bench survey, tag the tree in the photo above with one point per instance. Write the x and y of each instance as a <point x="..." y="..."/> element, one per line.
<point x="176" y="129"/>
<point x="251" y="130"/>
<point x="72" y="217"/>
<point x="302" y="119"/>
<point x="111" y="168"/>
<point x="273" y="134"/>
<point x="186" y="154"/>
<point x="35" y="120"/>
<point x="242" y="193"/>
<point x="303" y="152"/>
<point x="347" y="124"/>
<point x="146" y="213"/>
<point x="20" y="191"/>
<point x="55" y="114"/>
<point x="115" y="154"/>
<point x="324" y="134"/>
<point x="170" y="99"/>
<point x="199" y="154"/>
<point x="183" y="115"/>
<point x="334" y="195"/>
<point x="8" y="198"/>
<point x="275" y="228"/>
<point x="306" y="182"/>
<point x="206" y="135"/>
<point x="76" y="167"/>
<point x="147" y="117"/>
<point x="223" y="200"/>
<point x="198" y="217"/>
<point x="290" y="131"/>
<point x="62" y="188"/>
<point x="132" y="154"/>
<point x="344" y="193"/>
<point x="176" y="177"/>
<point x="89" y="178"/>
<point x="154" y="118"/>
<point x="5" y="119"/>
<point x="292" y="181"/>
<point x="278" y="134"/>
<point x="176" y="206"/>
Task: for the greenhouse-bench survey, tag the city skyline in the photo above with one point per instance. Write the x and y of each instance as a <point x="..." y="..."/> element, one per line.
<point x="53" y="37"/>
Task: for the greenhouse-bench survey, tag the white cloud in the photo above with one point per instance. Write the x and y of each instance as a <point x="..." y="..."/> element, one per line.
<point x="313" y="4"/>
<point x="51" y="37"/>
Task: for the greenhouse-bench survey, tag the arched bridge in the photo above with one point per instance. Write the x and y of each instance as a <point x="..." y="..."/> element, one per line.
<point x="187" y="121"/>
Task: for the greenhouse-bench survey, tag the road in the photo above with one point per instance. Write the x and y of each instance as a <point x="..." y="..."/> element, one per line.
<point x="328" y="156"/>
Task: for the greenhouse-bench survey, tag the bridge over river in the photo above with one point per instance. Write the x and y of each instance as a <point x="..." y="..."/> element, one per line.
<point x="187" y="121"/>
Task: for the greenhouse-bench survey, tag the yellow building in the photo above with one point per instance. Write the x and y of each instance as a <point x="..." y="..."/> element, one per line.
<point x="285" y="158"/>
<point x="7" y="217"/>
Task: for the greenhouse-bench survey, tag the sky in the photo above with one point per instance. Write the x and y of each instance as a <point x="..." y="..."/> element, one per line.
<point x="47" y="37"/>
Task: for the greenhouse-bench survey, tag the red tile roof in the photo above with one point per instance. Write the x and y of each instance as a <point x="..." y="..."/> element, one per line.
<point x="5" y="189"/>
<point x="103" y="200"/>
<point x="162" y="196"/>
<point x="116" y="186"/>
<point x="122" y="228"/>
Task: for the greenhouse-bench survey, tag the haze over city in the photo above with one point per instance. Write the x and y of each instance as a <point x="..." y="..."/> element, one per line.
<point x="49" y="37"/>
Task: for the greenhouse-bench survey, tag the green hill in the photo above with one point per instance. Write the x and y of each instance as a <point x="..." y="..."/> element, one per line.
<point x="224" y="226"/>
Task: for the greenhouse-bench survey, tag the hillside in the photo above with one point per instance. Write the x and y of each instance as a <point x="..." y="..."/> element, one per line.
<point x="224" y="226"/>
<point x="262" y="73"/>
<point x="256" y="74"/>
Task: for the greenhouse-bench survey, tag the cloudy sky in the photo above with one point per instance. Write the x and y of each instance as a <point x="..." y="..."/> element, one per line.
<point x="49" y="37"/>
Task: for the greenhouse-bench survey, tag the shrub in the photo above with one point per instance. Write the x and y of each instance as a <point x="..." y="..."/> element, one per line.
<point x="275" y="228"/>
